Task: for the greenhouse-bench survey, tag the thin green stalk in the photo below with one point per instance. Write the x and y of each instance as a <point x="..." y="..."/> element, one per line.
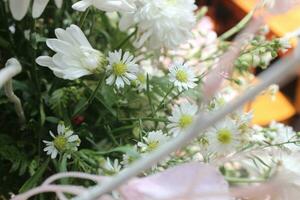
<point x="91" y="98"/>
<point x="126" y="39"/>
<point x="145" y="119"/>
<point x="244" y="180"/>
<point x="149" y="97"/>
<point x="164" y="99"/>
<point x="83" y="17"/>
<point x="237" y="28"/>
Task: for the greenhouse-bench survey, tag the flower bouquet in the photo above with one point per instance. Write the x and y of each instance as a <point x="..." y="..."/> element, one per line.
<point x="140" y="100"/>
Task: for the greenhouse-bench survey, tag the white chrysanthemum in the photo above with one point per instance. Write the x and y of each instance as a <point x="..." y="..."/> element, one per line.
<point x="104" y="5"/>
<point x="280" y="133"/>
<point x="161" y="23"/>
<point x="182" y="76"/>
<point x="64" y="142"/>
<point x="19" y="8"/>
<point x="74" y="57"/>
<point x="152" y="141"/>
<point x="112" y="167"/>
<point x="122" y="69"/>
<point x="182" y="117"/>
<point x="223" y="137"/>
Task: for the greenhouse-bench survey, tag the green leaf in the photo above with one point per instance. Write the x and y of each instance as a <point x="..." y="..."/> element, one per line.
<point x="33" y="181"/>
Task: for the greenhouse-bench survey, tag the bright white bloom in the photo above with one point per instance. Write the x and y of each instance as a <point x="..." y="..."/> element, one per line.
<point x="112" y="167"/>
<point x="105" y="5"/>
<point x="121" y="69"/>
<point x="19" y="8"/>
<point x="152" y="141"/>
<point x="182" y="76"/>
<point x="182" y="117"/>
<point x="161" y="23"/>
<point x="280" y="133"/>
<point x="64" y="142"/>
<point x="224" y="137"/>
<point x="74" y="57"/>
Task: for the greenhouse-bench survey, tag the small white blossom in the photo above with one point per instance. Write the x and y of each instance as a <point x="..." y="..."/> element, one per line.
<point x="182" y="76"/>
<point x="104" y="5"/>
<point x="152" y="141"/>
<point x="74" y="57"/>
<point x="112" y="167"/>
<point x="161" y="23"/>
<point x="64" y="142"/>
<point x="19" y="8"/>
<point x="122" y="69"/>
<point x="223" y="137"/>
<point x="182" y="117"/>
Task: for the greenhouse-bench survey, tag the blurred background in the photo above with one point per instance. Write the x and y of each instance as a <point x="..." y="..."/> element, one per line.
<point x="286" y="106"/>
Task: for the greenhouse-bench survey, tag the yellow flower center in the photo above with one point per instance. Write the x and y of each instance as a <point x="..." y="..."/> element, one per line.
<point x="141" y="78"/>
<point x="224" y="136"/>
<point x="185" y="121"/>
<point x="60" y="143"/>
<point x="181" y="76"/>
<point x="152" y="145"/>
<point x="119" y="69"/>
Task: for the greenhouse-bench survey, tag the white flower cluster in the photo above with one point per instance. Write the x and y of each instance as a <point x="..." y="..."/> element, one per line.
<point x="161" y="23"/>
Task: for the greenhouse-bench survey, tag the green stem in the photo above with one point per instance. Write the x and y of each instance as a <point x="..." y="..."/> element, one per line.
<point x="83" y="17"/>
<point x="126" y="39"/>
<point x="91" y="98"/>
<point x="164" y="99"/>
<point x="244" y="180"/>
<point x="149" y="97"/>
<point x="145" y="119"/>
<point x="237" y="28"/>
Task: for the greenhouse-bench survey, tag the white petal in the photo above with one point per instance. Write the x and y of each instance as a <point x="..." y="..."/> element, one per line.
<point x="82" y="5"/>
<point x="58" y="3"/>
<point x="61" y="46"/>
<point x="78" y="36"/>
<point x="38" y="7"/>
<point x="44" y="61"/>
<point x="18" y="8"/>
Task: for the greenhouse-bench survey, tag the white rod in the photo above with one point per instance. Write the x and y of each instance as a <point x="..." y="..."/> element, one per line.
<point x="277" y="73"/>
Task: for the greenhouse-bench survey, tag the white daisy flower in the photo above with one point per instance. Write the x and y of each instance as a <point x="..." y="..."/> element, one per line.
<point x="130" y="157"/>
<point x="141" y="81"/>
<point x="74" y="57"/>
<point x="122" y="69"/>
<point x="161" y="23"/>
<point x="182" y="117"/>
<point x="19" y="8"/>
<point x="64" y="142"/>
<point x="104" y="5"/>
<point x="112" y="167"/>
<point x="152" y="141"/>
<point x="182" y="76"/>
<point x="223" y="137"/>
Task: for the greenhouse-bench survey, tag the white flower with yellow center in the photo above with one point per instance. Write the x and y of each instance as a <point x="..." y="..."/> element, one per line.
<point x="161" y="23"/>
<point x="64" y="142"/>
<point x="182" y="76"/>
<point x="152" y="141"/>
<point x="182" y="117"/>
<point x="104" y="5"/>
<point x="223" y="137"/>
<point x="122" y="69"/>
<point x="74" y="57"/>
<point x="19" y="8"/>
